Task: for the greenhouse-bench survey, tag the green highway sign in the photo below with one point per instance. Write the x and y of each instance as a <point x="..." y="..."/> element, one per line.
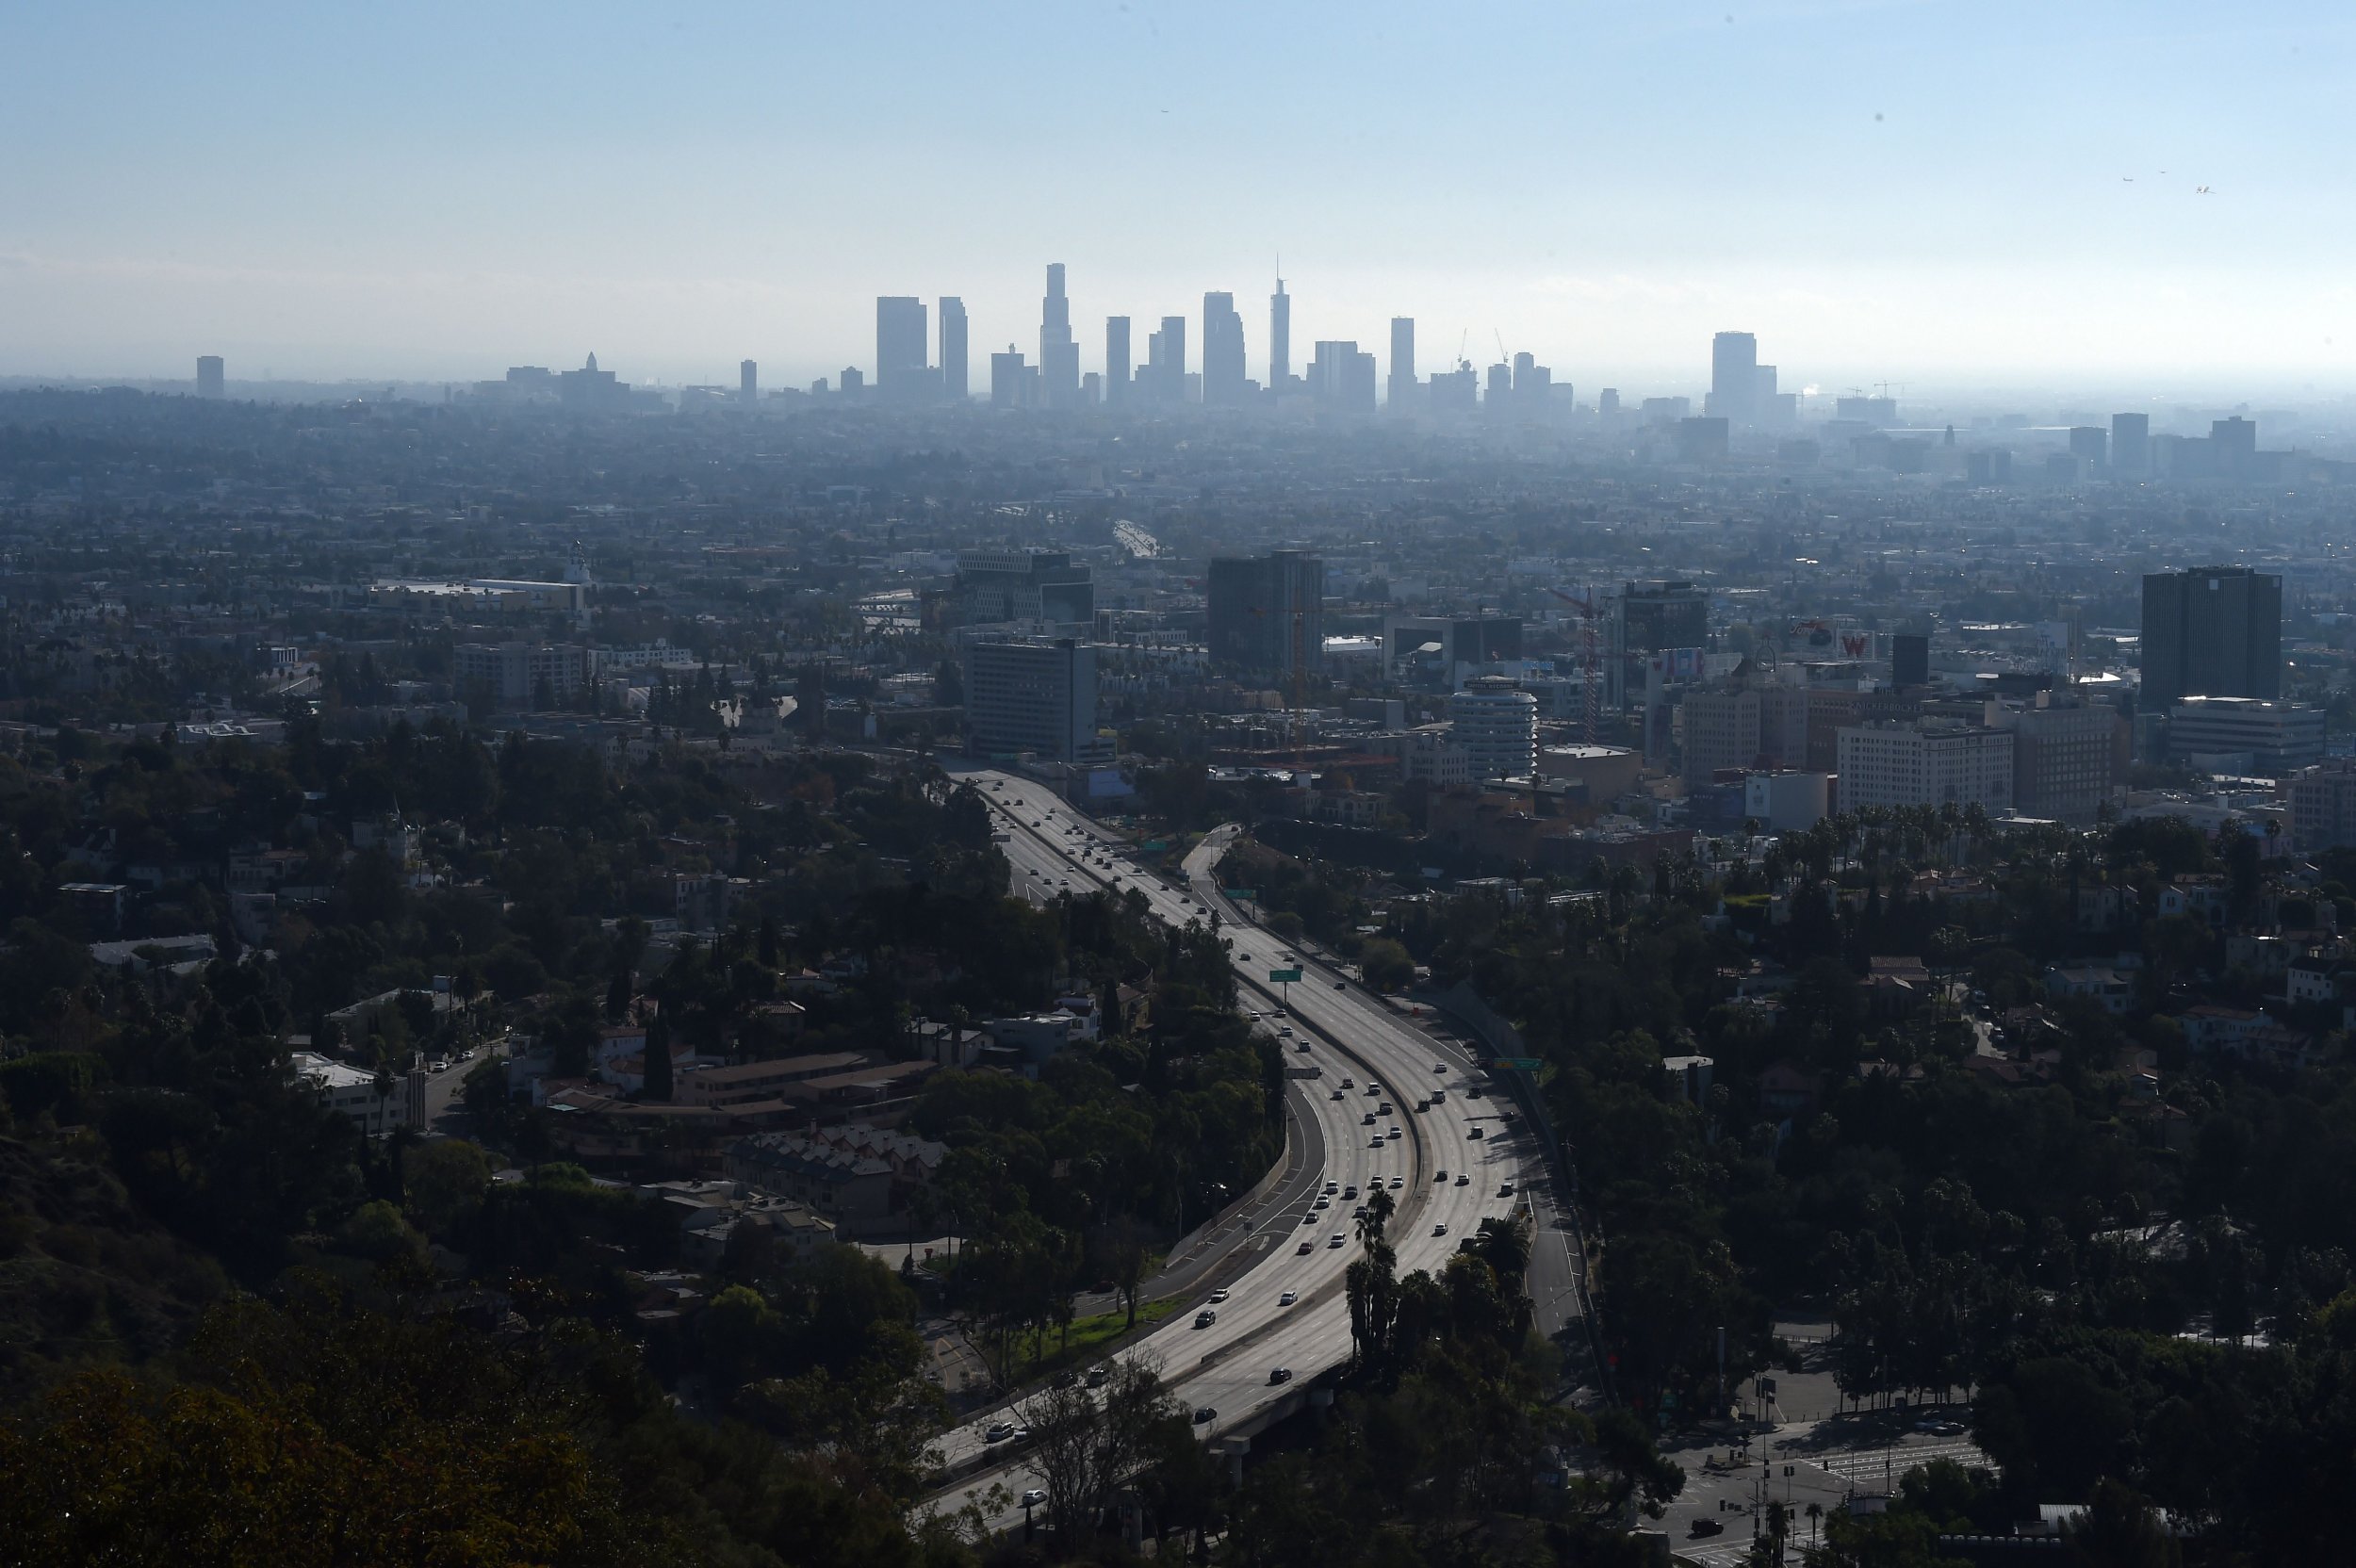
<point x="1283" y="976"/>
<point x="1524" y="1064"/>
<point x="1238" y="894"/>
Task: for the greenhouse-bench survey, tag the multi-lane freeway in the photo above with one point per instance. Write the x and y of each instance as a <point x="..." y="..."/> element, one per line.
<point x="1447" y="1166"/>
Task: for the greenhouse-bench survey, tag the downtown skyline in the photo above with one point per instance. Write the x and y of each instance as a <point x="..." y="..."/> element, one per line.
<point x="680" y="197"/>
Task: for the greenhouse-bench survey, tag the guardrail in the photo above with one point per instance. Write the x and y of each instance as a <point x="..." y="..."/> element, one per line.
<point x="1470" y="1008"/>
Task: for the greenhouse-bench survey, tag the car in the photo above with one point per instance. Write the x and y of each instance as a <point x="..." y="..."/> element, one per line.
<point x="1358" y="1213"/>
<point x="1332" y="1187"/>
<point x="998" y="1432"/>
<point x="1067" y="1379"/>
<point x="1351" y="1191"/>
<point x="1279" y="1375"/>
<point x="1438" y="1095"/>
<point x="1464" y="1181"/>
<point x="1703" y="1526"/>
<point x="1309" y="1219"/>
<point x="1439" y="1066"/>
<point x="1033" y="1497"/>
<point x="1476" y="1092"/>
<point x="1335" y="1095"/>
<point x="1505" y="1189"/>
<point x="1205" y="1415"/>
<point x="1394" y="1132"/>
<point x="1278" y="1012"/>
<point x="1440" y="1229"/>
<point x="1244" y="958"/>
<point x="1099" y="1376"/>
<point x="1349" y="1082"/>
<point x="1341" y="985"/>
<point x="1398" y="1182"/>
<point x="1204" y="1318"/>
<point x="1475" y="1133"/>
<point x="1334" y="1240"/>
<point x="1377" y="1142"/>
<point x="1323" y="1202"/>
<point x="1439" y="1175"/>
<point x="1218" y="1295"/>
<point x="1306" y="1249"/>
<point x="1385" y="1108"/>
<point x="1301" y="1045"/>
<point x="1367" y="1121"/>
<point x="1284" y="1031"/>
<point x="1289" y="1298"/>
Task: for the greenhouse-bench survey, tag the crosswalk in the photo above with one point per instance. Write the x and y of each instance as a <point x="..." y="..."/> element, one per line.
<point x="1873" y="1464"/>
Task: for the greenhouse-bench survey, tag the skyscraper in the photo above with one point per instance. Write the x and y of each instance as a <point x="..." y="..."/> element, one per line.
<point x="1341" y="377"/>
<point x="1402" y="386"/>
<point x="1267" y="613"/>
<point x="956" y="364"/>
<point x="1733" y="376"/>
<point x="2131" y="443"/>
<point x="1116" y="361"/>
<point x="748" y="382"/>
<point x="1166" y="361"/>
<point x="1222" y="353"/>
<point x="900" y="349"/>
<point x="1280" y="340"/>
<point x="2213" y="631"/>
<point x="209" y="382"/>
<point x="2234" y="445"/>
<point x="1059" y="350"/>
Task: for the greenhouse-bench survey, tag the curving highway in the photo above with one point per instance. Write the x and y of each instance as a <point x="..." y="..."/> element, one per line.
<point x="1350" y="1034"/>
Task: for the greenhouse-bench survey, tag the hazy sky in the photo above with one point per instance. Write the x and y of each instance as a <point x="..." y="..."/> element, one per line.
<point x="1931" y="193"/>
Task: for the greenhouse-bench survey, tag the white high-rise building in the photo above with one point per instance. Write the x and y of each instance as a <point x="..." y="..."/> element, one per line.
<point x="1494" y="724"/>
<point x="1893" y="763"/>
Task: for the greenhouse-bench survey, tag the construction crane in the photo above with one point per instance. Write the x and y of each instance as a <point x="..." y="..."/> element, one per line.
<point x="1590" y="663"/>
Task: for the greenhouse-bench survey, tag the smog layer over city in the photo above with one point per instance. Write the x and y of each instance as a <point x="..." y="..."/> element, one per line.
<point x="964" y="787"/>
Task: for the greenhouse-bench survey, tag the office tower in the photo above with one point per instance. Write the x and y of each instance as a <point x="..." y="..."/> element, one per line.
<point x="1494" y="724"/>
<point x="2089" y="444"/>
<point x="2245" y="735"/>
<point x="1023" y="585"/>
<point x="1733" y="377"/>
<point x="1091" y="389"/>
<point x="210" y="382"/>
<point x="1533" y="385"/>
<point x="900" y="349"/>
<point x="1165" y="360"/>
<point x="2323" y="806"/>
<point x="1009" y="380"/>
<point x="1341" y="377"/>
<point x="1704" y="439"/>
<point x="1034" y="697"/>
<point x="2233" y="445"/>
<point x="1926" y="764"/>
<point x="1909" y="660"/>
<point x="1116" y="361"/>
<point x="1608" y="401"/>
<point x="1500" y="388"/>
<point x="1267" y="613"/>
<point x="2062" y="754"/>
<point x="748" y="381"/>
<point x="954" y="362"/>
<point x="2131" y="443"/>
<point x="1456" y="391"/>
<point x="1059" y="350"/>
<point x="1280" y="340"/>
<point x="1222" y="353"/>
<point x="1874" y="411"/>
<point x="1402" y="387"/>
<point x="852" y="384"/>
<point x="1741" y="724"/>
<point x="2213" y="631"/>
